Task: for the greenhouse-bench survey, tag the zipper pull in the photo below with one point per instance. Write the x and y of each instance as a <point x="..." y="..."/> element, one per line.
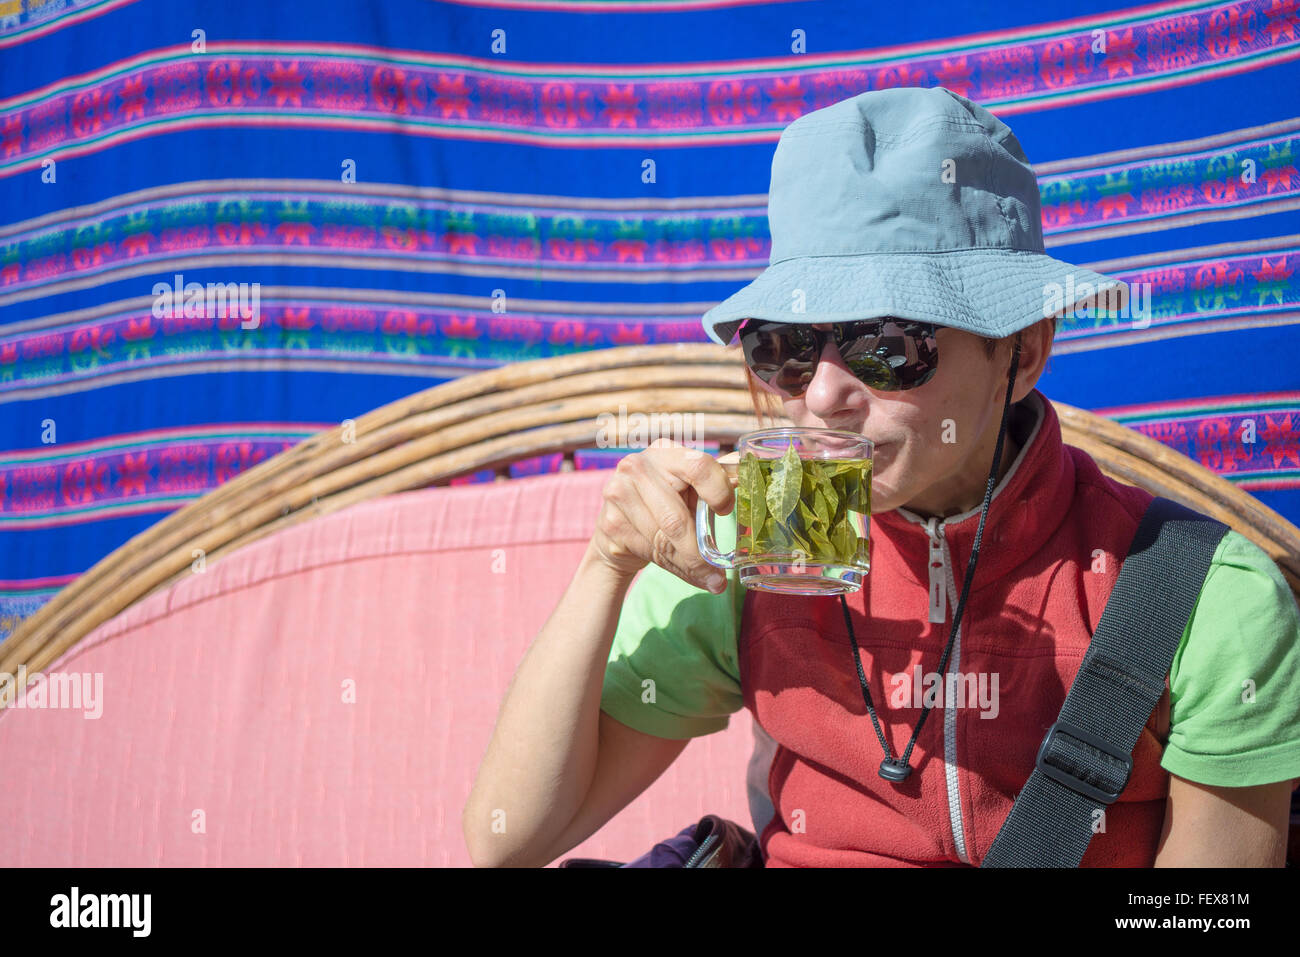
<point x="938" y="578"/>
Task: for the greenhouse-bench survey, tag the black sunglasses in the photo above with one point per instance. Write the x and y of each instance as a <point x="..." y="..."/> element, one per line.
<point x="888" y="354"/>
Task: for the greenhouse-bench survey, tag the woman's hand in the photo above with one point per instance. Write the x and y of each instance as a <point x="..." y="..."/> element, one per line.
<point x="649" y="511"/>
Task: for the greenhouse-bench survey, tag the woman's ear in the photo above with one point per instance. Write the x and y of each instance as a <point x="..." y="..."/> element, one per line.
<point x="1035" y="344"/>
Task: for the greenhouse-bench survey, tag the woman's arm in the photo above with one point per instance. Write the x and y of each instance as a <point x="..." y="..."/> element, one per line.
<point x="1209" y="826"/>
<point x="543" y="785"/>
<point x="541" y="759"/>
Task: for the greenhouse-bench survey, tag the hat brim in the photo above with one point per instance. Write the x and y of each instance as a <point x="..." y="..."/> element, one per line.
<point x="989" y="292"/>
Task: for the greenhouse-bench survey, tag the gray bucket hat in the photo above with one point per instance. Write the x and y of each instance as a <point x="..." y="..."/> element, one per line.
<point x="914" y="203"/>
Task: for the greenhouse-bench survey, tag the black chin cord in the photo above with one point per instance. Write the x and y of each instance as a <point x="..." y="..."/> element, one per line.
<point x="897" y="769"/>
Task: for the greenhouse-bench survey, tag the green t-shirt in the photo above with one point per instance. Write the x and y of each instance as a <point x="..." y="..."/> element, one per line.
<point x="1245" y="627"/>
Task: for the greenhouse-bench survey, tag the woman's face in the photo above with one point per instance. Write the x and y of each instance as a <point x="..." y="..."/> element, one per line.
<point x="933" y="444"/>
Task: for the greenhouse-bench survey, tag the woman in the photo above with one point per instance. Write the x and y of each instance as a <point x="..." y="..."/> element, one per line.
<point x="906" y="300"/>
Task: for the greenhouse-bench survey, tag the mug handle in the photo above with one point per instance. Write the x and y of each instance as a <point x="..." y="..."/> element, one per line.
<point x="704" y="538"/>
<point x="704" y="519"/>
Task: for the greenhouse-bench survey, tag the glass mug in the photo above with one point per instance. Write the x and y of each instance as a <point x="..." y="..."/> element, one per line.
<point x="802" y="511"/>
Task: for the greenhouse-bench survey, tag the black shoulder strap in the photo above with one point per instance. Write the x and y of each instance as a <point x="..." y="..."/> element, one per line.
<point x="1085" y="759"/>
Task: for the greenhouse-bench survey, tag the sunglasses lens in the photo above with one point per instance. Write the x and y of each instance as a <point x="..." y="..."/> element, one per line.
<point x="873" y="372"/>
<point x="887" y="356"/>
<point x="894" y="355"/>
<point x="782" y="356"/>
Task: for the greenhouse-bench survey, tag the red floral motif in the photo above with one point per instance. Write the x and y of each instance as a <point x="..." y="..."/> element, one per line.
<point x="295" y="318"/>
<point x="565" y="105"/>
<point x="628" y="335"/>
<point x="11" y="135"/>
<point x="569" y="331"/>
<point x="131" y="93"/>
<point x="1172" y="43"/>
<point x="84" y="481"/>
<point x="1063" y="214"/>
<point x="92" y="110"/>
<point x="230" y="83"/>
<point x="1278" y="177"/>
<point x="835" y="85"/>
<point x="629" y="250"/>
<point x="401" y="239"/>
<point x="461" y="244"/>
<point x="96" y="338"/>
<point x="1064" y="60"/>
<point x="396" y="91"/>
<point x="291" y="233"/>
<point x="1211" y="436"/>
<point x="233" y="458"/>
<point x="1228" y="33"/>
<point x="1272" y="271"/>
<point x="1220" y="191"/>
<point x="622" y="107"/>
<point x="240" y="234"/>
<point x="457" y="327"/>
<point x="955" y="74"/>
<point x="286" y="84"/>
<point x="1115" y="205"/>
<point x="137" y="245"/>
<point x="405" y="322"/>
<point x="91" y="256"/>
<point x="451" y="95"/>
<point x="739" y="249"/>
<point x="787" y="96"/>
<point x="133" y="473"/>
<point x="139" y="328"/>
<point x="1218" y="274"/>
<point x="733" y="102"/>
<point x="572" y="250"/>
<point x="1121" y="53"/>
<point x="1282" y="21"/>
<point x="1282" y="438"/>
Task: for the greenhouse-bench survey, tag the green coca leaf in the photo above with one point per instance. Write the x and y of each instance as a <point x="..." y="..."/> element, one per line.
<point x="822" y="506"/>
<point x="844" y="540"/>
<point x="787" y="479"/>
<point x="751" y="477"/>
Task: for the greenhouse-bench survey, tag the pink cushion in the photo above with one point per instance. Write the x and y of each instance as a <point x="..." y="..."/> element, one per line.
<point x="224" y="694"/>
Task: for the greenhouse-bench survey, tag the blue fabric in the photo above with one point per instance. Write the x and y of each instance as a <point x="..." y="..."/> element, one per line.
<point x="1169" y="158"/>
<point x="672" y="852"/>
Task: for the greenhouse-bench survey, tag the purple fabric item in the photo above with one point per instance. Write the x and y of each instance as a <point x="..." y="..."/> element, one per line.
<point x="674" y="852"/>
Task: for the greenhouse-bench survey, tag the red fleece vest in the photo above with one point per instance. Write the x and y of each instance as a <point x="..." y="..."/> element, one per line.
<point x="1056" y="533"/>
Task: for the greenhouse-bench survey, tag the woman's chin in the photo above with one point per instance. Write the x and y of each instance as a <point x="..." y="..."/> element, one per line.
<point x="883" y="500"/>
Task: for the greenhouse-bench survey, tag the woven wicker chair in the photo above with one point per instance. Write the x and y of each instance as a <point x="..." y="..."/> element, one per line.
<point x="516" y="412"/>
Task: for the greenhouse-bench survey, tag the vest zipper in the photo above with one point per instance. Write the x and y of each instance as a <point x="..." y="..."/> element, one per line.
<point x="943" y="588"/>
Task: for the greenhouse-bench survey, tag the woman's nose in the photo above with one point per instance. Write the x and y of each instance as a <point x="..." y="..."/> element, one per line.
<point x="832" y="382"/>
